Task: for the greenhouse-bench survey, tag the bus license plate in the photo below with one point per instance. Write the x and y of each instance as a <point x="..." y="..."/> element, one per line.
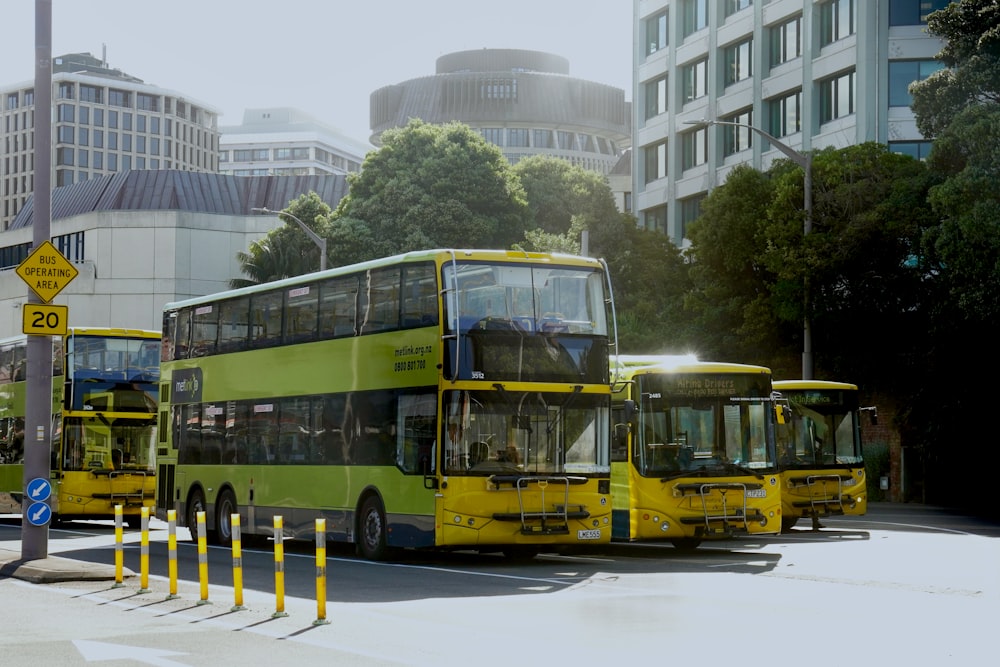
<point x="756" y="493"/>
<point x="588" y="534"/>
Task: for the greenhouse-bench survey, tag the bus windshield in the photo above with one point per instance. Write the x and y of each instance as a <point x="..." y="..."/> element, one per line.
<point x="101" y="443"/>
<point x="823" y="430"/>
<point x="709" y="423"/>
<point x="521" y="322"/>
<point x="531" y="432"/>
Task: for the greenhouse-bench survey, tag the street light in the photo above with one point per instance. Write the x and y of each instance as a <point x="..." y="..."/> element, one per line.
<point x="313" y="236"/>
<point x="804" y="160"/>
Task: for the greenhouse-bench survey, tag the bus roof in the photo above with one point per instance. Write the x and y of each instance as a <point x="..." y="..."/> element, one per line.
<point x="94" y="331"/>
<point x="631" y="365"/>
<point x="788" y="385"/>
<point x="558" y="259"/>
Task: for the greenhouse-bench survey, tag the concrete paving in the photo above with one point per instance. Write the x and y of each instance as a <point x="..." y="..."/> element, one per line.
<point x="54" y="569"/>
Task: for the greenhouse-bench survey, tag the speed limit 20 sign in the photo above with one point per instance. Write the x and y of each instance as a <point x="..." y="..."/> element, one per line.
<point x="44" y="319"/>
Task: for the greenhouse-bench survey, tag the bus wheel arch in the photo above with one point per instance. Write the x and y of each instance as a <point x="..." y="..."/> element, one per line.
<point x="225" y="507"/>
<point x="371" y="529"/>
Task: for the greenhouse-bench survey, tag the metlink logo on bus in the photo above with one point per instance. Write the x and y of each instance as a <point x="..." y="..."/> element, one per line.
<point x="46" y="271"/>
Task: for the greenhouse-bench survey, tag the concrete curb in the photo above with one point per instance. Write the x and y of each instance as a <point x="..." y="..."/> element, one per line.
<point x="54" y="569"/>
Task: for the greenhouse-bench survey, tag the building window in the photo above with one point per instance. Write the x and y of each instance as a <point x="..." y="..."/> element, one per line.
<point x="140" y="143"/>
<point x="98" y="138"/>
<point x="542" y="138"/>
<point x="904" y="72"/>
<point x="836" y="97"/>
<point x="83" y="158"/>
<point x="119" y="98"/>
<point x="113" y="140"/>
<point x="64" y="156"/>
<point x="11" y="101"/>
<point x="66" y="113"/>
<point x="517" y="137"/>
<point x="98" y="160"/>
<point x="66" y="90"/>
<point x="64" y="177"/>
<point x="154" y="146"/>
<point x="785" y="114"/>
<point x="498" y="89"/>
<point x="154" y="124"/>
<point x="140" y="122"/>
<point x="65" y="134"/>
<point x="916" y="149"/>
<point x="836" y="20"/>
<point x="694" y="148"/>
<point x="567" y="140"/>
<point x="147" y="102"/>
<point x="494" y="135"/>
<point x="695" y="80"/>
<point x="84" y="115"/>
<point x="786" y="41"/>
<point x="98" y="117"/>
<point x="913" y="12"/>
<point x="113" y="119"/>
<point x="126" y="142"/>
<point x="656" y="97"/>
<point x="112" y="161"/>
<point x="733" y="6"/>
<point x="694" y="16"/>
<point x="739" y="62"/>
<point x="656" y="33"/>
<point x="690" y="210"/>
<point x="126" y="120"/>
<point x="736" y="139"/>
<point x="655" y="161"/>
<point x="84" y="137"/>
<point x="91" y="94"/>
<point x="655" y="218"/>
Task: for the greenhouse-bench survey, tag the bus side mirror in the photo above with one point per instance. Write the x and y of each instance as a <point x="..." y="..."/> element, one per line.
<point x="628" y="410"/>
<point x="779" y="414"/>
<point x="872" y="414"/>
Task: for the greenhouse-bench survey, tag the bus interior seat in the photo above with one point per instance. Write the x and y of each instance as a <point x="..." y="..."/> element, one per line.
<point x="478" y="452"/>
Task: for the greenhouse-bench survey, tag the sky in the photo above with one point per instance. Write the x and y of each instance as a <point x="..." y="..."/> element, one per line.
<point x="324" y="57"/>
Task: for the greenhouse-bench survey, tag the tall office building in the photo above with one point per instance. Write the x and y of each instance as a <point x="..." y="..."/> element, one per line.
<point x="104" y="121"/>
<point x="525" y="102"/>
<point x="810" y="73"/>
<point x="286" y="142"/>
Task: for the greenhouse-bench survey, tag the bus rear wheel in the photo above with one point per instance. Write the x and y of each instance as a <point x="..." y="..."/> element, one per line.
<point x="225" y="507"/>
<point x="372" y="530"/>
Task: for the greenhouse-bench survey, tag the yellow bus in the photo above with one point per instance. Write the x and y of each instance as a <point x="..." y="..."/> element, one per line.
<point x="448" y="399"/>
<point x="104" y="414"/>
<point x="693" y="451"/>
<point x="819" y="451"/>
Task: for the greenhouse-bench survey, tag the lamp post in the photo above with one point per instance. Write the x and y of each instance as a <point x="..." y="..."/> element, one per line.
<point x="313" y="236"/>
<point x="804" y="160"/>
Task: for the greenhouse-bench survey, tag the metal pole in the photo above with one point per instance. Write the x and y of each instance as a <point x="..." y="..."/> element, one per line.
<point x="313" y="236"/>
<point x="804" y="160"/>
<point x="38" y="402"/>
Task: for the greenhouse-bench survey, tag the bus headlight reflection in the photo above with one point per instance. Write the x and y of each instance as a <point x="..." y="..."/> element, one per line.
<point x="665" y="526"/>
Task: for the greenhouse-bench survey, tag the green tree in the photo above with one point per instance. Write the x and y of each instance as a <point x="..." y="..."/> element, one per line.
<point x="286" y="250"/>
<point x="971" y="55"/>
<point x="428" y="186"/>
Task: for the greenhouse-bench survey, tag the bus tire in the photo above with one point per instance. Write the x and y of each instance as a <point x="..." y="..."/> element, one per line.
<point x="788" y="522"/>
<point x="225" y="507"/>
<point x="372" y="530"/>
<point x="686" y="543"/>
<point x="195" y="504"/>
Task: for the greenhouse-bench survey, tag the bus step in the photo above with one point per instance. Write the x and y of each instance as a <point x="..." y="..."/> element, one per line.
<point x="734" y="518"/>
<point x="535" y="516"/>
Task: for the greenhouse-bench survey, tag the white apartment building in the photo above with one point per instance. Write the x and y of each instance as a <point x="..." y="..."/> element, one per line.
<point x="810" y="73"/>
<point x="284" y="141"/>
<point x="104" y="121"/>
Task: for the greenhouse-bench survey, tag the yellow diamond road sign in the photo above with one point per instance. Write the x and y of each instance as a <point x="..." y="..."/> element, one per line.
<point x="46" y="271"/>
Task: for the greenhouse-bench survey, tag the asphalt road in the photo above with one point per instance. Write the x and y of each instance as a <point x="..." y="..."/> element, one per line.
<point x="904" y="585"/>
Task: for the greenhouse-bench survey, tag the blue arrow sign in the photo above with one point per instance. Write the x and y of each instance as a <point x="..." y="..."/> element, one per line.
<point x="39" y="514"/>
<point x="39" y="489"/>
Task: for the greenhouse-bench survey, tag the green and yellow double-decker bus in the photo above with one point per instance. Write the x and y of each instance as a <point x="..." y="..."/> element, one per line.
<point x="450" y="399"/>
<point x="693" y="451"/>
<point x="819" y="451"/>
<point x="104" y="416"/>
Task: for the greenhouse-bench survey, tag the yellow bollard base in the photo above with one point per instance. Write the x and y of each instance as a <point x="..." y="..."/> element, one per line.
<point x="279" y="614"/>
<point x="172" y="597"/>
<point x="201" y="602"/>
<point x="237" y="607"/>
<point x="321" y="621"/>
<point x="144" y="590"/>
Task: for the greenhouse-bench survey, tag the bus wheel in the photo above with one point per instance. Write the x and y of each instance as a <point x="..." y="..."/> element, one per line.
<point x="788" y="522"/>
<point x="686" y="543"/>
<point x="520" y="553"/>
<point x="371" y="530"/>
<point x="225" y="507"/>
<point x="195" y="504"/>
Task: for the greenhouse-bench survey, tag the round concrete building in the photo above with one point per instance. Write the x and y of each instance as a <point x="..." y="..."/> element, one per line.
<point x="525" y="102"/>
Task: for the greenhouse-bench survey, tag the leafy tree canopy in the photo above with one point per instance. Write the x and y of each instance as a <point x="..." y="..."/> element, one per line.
<point x="971" y="54"/>
<point x="286" y="250"/>
<point x="429" y="186"/>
